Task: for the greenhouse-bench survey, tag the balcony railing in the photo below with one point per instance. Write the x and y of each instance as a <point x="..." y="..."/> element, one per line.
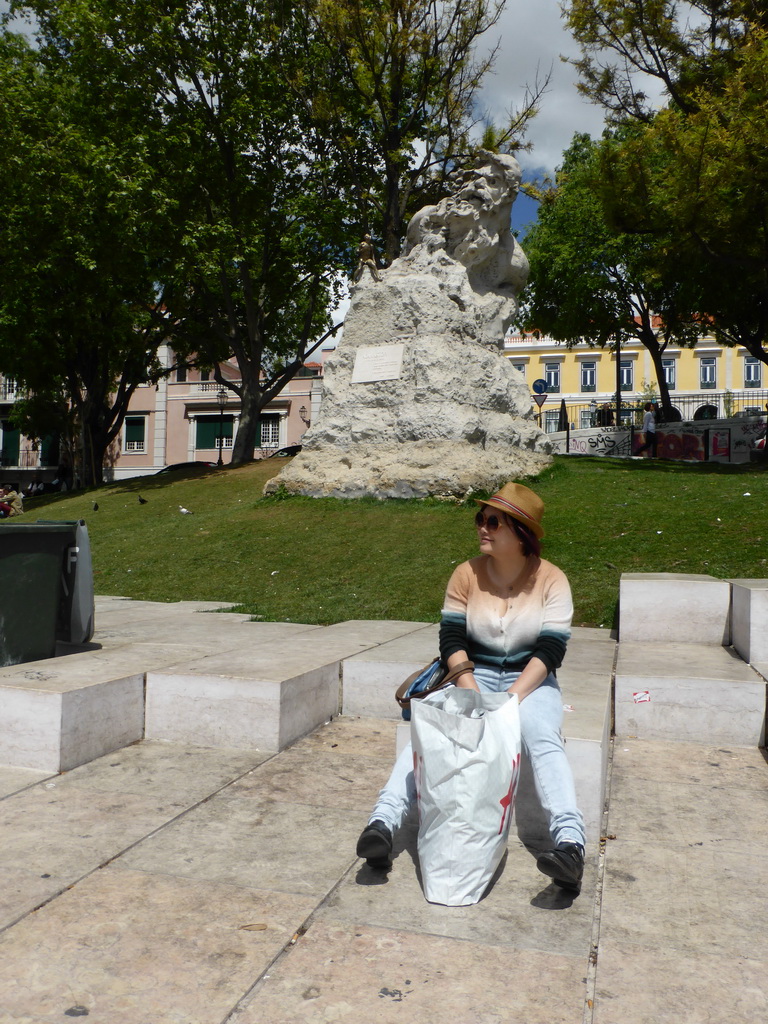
<point x="26" y="458"/>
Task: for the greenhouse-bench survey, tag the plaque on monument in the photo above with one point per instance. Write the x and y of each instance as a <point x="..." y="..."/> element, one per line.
<point x="377" y="362"/>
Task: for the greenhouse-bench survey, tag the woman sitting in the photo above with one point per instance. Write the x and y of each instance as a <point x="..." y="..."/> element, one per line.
<point x="509" y="611"/>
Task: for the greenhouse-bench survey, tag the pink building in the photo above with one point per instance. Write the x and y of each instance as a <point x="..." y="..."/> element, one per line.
<point x="183" y="418"/>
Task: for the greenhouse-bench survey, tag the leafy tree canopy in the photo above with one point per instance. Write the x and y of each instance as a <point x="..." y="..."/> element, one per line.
<point x="80" y="250"/>
<point x="693" y="174"/>
<point x="214" y="164"/>
<point x="404" y="79"/>
<point x="593" y="283"/>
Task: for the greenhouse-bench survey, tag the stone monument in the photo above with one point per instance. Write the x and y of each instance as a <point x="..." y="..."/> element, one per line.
<point x="419" y="399"/>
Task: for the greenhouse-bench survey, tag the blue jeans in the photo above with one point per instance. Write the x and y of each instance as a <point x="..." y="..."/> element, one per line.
<point x="541" y="718"/>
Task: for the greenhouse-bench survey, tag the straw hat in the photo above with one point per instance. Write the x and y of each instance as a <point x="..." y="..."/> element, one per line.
<point x="520" y="503"/>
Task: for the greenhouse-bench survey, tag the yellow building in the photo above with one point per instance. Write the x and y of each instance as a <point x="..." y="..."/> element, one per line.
<point x="705" y="382"/>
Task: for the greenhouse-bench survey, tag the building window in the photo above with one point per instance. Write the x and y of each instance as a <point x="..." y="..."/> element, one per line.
<point x="552" y="377"/>
<point x="134" y="433"/>
<point x="669" y="373"/>
<point x="586" y="419"/>
<point x="269" y="432"/>
<point x="205" y="375"/>
<point x="11" y="441"/>
<point x="588" y="376"/>
<point x="181" y="375"/>
<point x="551" y="421"/>
<point x="708" y="372"/>
<point x="209" y="429"/>
<point x="626" y="375"/>
<point x="520" y="367"/>
<point x="752" y="374"/>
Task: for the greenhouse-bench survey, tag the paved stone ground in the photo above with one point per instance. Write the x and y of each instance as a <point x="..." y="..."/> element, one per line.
<point x="172" y="885"/>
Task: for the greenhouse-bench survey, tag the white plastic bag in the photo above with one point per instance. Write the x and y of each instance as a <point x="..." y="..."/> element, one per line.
<point x="466" y="758"/>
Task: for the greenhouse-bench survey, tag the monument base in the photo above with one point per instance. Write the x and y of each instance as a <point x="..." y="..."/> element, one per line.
<point x="412" y="469"/>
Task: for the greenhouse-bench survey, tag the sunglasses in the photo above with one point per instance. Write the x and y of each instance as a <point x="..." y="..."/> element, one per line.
<point x="491" y="523"/>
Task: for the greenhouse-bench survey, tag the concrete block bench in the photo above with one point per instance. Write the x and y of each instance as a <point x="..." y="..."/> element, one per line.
<point x="166" y="671"/>
<point x="691" y="693"/>
<point x="370" y="679"/>
<point x="61" y="712"/>
<point x="264" y="696"/>
<point x="677" y="677"/>
<point x="749" y="621"/>
<point x="674" y="607"/>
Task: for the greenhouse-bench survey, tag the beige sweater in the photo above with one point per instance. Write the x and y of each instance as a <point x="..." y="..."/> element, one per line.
<point x="507" y="628"/>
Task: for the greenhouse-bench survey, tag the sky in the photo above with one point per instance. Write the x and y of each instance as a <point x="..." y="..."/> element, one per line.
<point x="533" y="37"/>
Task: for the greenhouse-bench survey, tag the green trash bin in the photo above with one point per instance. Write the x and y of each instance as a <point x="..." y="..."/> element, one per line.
<point x="32" y="559"/>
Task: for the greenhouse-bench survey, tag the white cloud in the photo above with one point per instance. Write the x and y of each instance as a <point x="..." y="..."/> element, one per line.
<point x="533" y="37"/>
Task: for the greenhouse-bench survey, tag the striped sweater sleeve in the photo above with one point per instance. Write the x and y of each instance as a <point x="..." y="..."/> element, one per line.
<point x="453" y="619"/>
<point x="556" y="625"/>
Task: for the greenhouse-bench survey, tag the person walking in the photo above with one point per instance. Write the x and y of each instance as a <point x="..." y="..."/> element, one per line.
<point x="649" y="429"/>
<point x="508" y="611"/>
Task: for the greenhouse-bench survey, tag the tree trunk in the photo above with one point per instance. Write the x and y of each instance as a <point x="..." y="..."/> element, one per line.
<point x="651" y="342"/>
<point x="392" y="222"/>
<point x="94" y="450"/>
<point x="248" y="427"/>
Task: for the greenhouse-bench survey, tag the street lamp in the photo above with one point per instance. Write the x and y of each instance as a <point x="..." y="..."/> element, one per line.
<point x="303" y="415"/>
<point x="222" y="397"/>
<point x="593" y="413"/>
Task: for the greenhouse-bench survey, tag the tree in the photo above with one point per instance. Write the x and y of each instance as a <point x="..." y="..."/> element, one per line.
<point x="257" y="129"/>
<point x="592" y="283"/>
<point x="80" y="254"/>
<point x="244" y="182"/>
<point x="687" y="48"/>
<point x="404" y="78"/>
<point x="694" y="174"/>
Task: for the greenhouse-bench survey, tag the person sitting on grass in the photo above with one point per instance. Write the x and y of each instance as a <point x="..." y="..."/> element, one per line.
<point x="10" y="502"/>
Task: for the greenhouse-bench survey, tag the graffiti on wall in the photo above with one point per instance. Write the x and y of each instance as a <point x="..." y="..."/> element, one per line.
<point x="689" y="445"/>
<point x="680" y="442"/>
<point x="595" y="442"/>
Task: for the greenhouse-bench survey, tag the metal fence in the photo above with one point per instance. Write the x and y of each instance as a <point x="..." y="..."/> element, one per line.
<point x="692" y="406"/>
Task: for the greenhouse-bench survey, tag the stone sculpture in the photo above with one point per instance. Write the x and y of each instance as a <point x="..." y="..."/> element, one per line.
<point x="473" y="226"/>
<point x="418" y="399"/>
<point x="366" y="257"/>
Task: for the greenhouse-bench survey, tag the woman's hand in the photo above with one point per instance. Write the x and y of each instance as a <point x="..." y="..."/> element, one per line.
<point x="530" y="679"/>
<point x="466" y="681"/>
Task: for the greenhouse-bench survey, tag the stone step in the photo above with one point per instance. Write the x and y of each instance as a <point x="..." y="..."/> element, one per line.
<point x="264" y="697"/>
<point x="690" y="693"/>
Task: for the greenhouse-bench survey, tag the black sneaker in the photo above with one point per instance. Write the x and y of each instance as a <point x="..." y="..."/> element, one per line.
<point x="564" y="865"/>
<point x="375" y="845"/>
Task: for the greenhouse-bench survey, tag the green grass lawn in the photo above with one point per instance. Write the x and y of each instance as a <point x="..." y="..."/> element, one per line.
<point x="325" y="560"/>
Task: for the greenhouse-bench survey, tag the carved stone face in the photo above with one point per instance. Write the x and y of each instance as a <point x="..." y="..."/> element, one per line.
<point x="483" y="188"/>
<point x="472" y="226"/>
